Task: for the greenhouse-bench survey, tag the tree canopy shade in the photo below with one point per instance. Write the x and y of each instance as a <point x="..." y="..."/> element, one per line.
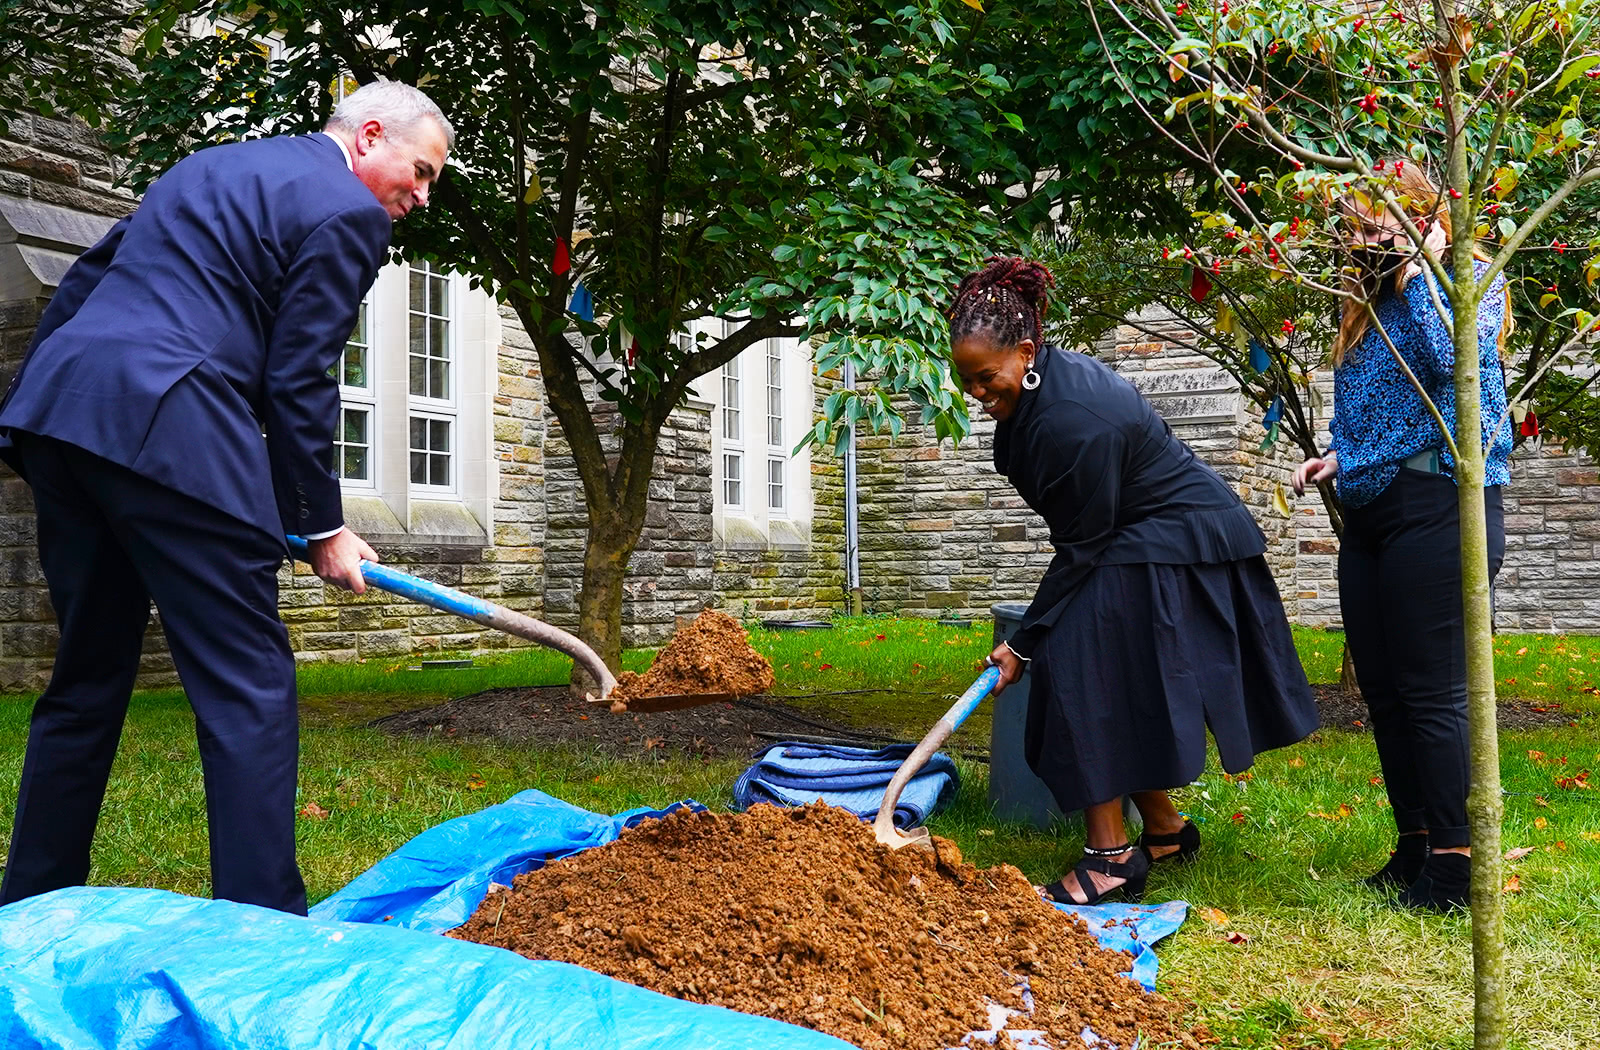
<point x="807" y="168"/>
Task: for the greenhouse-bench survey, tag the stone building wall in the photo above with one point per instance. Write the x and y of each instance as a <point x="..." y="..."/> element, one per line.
<point x="670" y="574"/>
<point x="56" y="199"/>
<point x="790" y="576"/>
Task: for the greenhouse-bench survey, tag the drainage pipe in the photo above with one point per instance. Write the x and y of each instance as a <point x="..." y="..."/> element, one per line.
<point x="852" y="546"/>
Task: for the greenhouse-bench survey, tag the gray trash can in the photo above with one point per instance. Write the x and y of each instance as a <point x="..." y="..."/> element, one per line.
<point x="1014" y="791"/>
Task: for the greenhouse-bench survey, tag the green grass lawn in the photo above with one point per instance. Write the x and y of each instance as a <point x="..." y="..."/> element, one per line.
<point x="1327" y="964"/>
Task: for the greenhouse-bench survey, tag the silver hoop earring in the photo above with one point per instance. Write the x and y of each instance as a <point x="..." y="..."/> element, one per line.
<point x="1030" y="378"/>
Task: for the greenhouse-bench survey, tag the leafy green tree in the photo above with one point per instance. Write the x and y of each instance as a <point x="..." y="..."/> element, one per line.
<point x="808" y="168"/>
<point x="1498" y="97"/>
<point x="713" y="155"/>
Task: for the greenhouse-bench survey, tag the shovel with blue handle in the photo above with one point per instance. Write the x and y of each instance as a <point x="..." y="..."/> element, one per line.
<point x="883" y="828"/>
<point x="447" y="599"/>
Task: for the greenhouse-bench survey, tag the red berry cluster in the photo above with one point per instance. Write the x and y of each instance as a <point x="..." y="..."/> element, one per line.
<point x="1369" y="103"/>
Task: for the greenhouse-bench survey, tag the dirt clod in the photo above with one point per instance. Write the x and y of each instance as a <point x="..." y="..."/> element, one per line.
<point x="711" y="655"/>
<point x="800" y="915"/>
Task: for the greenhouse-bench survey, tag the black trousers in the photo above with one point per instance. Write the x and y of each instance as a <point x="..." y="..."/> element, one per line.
<point x="110" y="541"/>
<point x="1400" y="594"/>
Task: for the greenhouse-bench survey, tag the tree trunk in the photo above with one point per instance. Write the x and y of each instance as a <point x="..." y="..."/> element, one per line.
<point x="605" y="566"/>
<point x="1485" y="807"/>
<point x="616" y="495"/>
<point x="1347" y="673"/>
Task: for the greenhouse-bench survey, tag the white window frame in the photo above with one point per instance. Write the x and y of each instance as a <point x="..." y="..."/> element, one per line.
<point x="453" y="464"/>
<point x="733" y="448"/>
<point x="360" y="398"/>
<point x="754" y="515"/>
<point x="777" y="453"/>
<point x="424" y="406"/>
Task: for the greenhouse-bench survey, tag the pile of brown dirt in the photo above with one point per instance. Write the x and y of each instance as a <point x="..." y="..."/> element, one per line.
<point x="711" y="655"/>
<point x="800" y="915"/>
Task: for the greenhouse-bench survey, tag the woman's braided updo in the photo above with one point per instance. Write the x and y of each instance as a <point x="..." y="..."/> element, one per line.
<point x="1005" y="302"/>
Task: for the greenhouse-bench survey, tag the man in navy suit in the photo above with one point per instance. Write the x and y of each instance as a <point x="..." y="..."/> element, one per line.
<point x="174" y="417"/>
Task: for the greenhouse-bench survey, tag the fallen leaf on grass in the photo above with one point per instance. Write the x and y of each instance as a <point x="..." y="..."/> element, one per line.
<point x="1312" y="871"/>
<point x="475" y="782"/>
<point x="1540" y="822"/>
<point x="314" y="811"/>
<point x="1513" y="885"/>
<point x="1235" y="937"/>
<point x="1538" y="800"/>
<point x="1536" y="756"/>
<point x="1296" y="762"/>
<point x="1214" y="915"/>
<point x="1518" y="853"/>
<point x="1592" y="836"/>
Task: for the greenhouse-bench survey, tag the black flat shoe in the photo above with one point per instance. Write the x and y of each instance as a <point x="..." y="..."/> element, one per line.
<point x="1136" y="869"/>
<point x="1405" y="864"/>
<point x="1445" y="883"/>
<point x="1187" y="839"/>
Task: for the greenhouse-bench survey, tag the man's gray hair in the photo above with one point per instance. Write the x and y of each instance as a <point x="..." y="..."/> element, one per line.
<point x="398" y="107"/>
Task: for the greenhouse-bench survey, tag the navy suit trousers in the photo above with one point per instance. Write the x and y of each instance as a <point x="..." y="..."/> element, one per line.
<point x="110" y="541"/>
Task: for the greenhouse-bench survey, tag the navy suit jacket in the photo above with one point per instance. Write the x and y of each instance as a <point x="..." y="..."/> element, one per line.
<point x="192" y="344"/>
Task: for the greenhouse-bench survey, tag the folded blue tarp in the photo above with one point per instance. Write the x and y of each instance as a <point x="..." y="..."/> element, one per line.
<point x="853" y="778"/>
<point x="123" y="969"/>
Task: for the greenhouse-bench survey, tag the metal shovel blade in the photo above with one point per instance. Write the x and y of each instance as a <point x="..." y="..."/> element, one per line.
<point x="673" y="702"/>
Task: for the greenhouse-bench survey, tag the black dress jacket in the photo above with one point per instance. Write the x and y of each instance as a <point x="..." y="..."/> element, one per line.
<point x="1090" y="455"/>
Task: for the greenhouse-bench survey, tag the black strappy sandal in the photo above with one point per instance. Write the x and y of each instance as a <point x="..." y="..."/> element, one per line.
<point x="1136" y="869"/>
<point x="1187" y="839"/>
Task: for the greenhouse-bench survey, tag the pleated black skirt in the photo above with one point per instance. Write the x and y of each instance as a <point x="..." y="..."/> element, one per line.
<point x="1144" y="660"/>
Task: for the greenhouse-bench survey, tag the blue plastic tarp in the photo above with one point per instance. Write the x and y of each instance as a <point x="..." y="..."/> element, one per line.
<point x="437" y="880"/>
<point x="93" y="968"/>
<point x="1132" y="928"/>
<point x="126" y="969"/>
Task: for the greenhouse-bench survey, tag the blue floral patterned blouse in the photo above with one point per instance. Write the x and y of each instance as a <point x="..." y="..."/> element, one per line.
<point x="1378" y="419"/>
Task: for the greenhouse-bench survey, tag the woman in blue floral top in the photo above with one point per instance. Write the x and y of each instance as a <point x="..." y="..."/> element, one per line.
<point x="1400" y="554"/>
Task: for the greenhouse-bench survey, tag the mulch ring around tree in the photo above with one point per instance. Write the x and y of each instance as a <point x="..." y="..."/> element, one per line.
<point x="551" y="716"/>
<point x="1343" y="710"/>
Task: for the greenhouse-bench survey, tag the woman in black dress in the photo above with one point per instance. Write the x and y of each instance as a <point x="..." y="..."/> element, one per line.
<point x="1158" y="616"/>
